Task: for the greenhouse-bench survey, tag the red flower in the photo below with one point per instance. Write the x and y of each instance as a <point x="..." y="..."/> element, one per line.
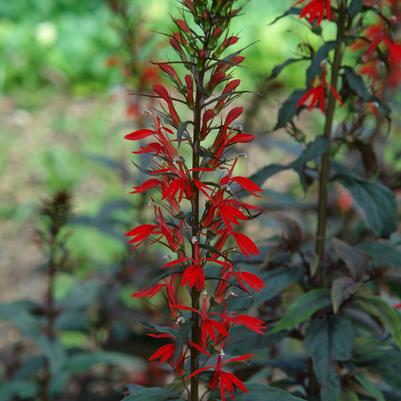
<point x="227" y="381"/>
<point x="317" y="94"/>
<point x="245" y="244"/>
<point x="140" y="233"/>
<point x="316" y="10"/>
<point x="210" y="328"/>
<point x="249" y="322"/>
<point x="166" y="353"/>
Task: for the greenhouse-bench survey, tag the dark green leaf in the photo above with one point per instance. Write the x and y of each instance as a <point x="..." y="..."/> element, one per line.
<point x="139" y="393"/>
<point x="291" y="11"/>
<point x="328" y="339"/>
<point x="371" y="388"/>
<point x="18" y="388"/>
<point x="289" y="108"/>
<point x="303" y="308"/>
<point x="355" y="259"/>
<point x="313" y="151"/>
<point x="389" y="317"/>
<point x="357" y="84"/>
<point x="83" y="361"/>
<point x="382" y="254"/>
<point x="376" y="202"/>
<point x="343" y="288"/>
<point x="276" y="282"/>
<point x="183" y="335"/>
<point x="260" y="392"/>
<point x="276" y="71"/>
<point x="316" y="63"/>
<point x="355" y="8"/>
<point x="181" y="131"/>
<point x="19" y="313"/>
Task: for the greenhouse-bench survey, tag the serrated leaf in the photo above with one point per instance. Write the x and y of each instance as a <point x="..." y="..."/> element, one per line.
<point x="376" y="202"/>
<point x="289" y="108"/>
<point x="303" y="308"/>
<point x="315" y="67"/>
<point x="260" y="392"/>
<point x="355" y="259"/>
<point x="343" y="288"/>
<point x="389" y="317"/>
<point x="328" y="339"/>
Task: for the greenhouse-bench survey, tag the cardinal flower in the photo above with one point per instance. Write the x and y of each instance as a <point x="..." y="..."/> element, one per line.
<point x="166" y="353"/>
<point x="225" y="380"/>
<point x="316" y="10"/>
<point x="210" y="327"/>
<point x="318" y="93"/>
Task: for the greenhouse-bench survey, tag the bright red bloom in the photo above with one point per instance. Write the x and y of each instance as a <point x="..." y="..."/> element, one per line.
<point x="227" y="381"/>
<point x="318" y="93"/>
<point x="316" y="10"/>
<point x="166" y="353"/>
<point x="245" y="244"/>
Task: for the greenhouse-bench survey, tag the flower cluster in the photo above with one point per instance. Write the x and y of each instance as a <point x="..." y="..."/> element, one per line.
<point x="381" y="51"/>
<point x="197" y="208"/>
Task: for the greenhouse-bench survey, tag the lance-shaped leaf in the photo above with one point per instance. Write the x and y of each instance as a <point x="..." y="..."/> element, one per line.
<point x="382" y="254"/>
<point x="277" y="70"/>
<point x="371" y="388"/>
<point x="321" y="55"/>
<point x="389" y="317"/>
<point x="376" y="203"/>
<point x="355" y="8"/>
<point x="343" y="288"/>
<point x="303" y="308"/>
<point x="357" y="84"/>
<point x="326" y="340"/>
<point x="355" y="259"/>
<point x="289" y="108"/>
<point x="313" y="151"/>
<point x="291" y="11"/>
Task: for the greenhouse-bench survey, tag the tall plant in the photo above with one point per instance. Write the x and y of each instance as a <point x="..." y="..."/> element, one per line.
<point x="197" y="213"/>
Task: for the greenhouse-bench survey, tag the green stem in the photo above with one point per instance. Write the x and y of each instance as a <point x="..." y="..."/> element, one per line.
<point x="328" y="128"/>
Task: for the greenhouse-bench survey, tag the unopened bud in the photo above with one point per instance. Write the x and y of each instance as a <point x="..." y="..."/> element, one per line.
<point x="180" y="320"/>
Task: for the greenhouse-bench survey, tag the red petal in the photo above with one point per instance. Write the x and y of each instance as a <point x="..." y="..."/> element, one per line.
<point x="140" y="134"/>
<point x="246" y="245"/>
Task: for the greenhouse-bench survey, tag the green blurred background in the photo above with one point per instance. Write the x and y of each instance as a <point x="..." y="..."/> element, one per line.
<point x="63" y="107"/>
